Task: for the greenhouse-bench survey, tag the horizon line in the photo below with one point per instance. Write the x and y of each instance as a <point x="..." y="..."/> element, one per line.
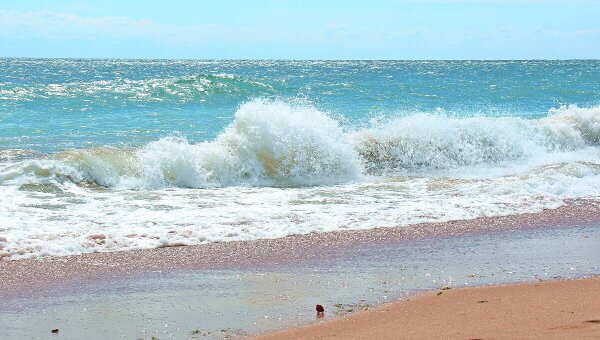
<point x="307" y="59"/>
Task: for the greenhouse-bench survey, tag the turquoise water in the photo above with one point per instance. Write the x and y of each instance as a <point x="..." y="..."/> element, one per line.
<point x="101" y="155"/>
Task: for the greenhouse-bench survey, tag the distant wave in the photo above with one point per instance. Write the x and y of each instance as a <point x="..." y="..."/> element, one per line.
<point x="273" y="143"/>
<point x="171" y="89"/>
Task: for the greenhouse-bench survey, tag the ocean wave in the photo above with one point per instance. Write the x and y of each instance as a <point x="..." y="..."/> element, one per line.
<point x="273" y="143"/>
<point x="269" y="143"/>
<point x="427" y="141"/>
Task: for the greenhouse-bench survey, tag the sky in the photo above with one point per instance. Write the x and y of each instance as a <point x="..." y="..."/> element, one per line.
<point x="303" y="29"/>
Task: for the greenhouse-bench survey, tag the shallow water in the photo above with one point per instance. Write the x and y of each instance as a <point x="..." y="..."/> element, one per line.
<point x="104" y="155"/>
<point x="171" y="304"/>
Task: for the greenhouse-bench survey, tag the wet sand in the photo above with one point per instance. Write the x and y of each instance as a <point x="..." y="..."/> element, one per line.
<point x="561" y="309"/>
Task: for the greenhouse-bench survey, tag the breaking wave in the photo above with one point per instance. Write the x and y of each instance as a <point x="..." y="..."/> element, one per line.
<point x="427" y="142"/>
<point x="273" y="143"/>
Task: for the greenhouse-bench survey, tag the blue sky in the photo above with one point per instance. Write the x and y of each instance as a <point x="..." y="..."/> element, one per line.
<point x="309" y="29"/>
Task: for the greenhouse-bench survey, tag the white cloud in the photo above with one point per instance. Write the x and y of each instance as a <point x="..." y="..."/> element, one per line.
<point x="65" y="26"/>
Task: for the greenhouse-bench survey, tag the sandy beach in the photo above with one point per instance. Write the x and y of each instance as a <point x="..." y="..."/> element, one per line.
<point x="249" y="288"/>
<point x="541" y="310"/>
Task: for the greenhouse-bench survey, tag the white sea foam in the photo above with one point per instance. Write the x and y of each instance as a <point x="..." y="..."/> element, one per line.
<point x="282" y="169"/>
<point x="427" y="142"/>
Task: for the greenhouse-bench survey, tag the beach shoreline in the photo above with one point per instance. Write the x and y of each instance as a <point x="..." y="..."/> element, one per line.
<point x="554" y="309"/>
<point x="27" y="275"/>
<point x="273" y="284"/>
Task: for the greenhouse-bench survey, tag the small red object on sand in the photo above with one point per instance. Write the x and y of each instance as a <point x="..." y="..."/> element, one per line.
<point x="320" y="312"/>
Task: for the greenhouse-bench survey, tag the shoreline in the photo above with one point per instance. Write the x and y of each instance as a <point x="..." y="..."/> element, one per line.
<point x="27" y="275"/>
<point x="532" y="310"/>
<point x="251" y="288"/>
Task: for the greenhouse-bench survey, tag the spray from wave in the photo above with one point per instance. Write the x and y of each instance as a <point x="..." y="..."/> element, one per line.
<point x="272" y="143"/>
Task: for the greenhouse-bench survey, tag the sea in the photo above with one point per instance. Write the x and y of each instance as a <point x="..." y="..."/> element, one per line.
<point x="104" y="155"/>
